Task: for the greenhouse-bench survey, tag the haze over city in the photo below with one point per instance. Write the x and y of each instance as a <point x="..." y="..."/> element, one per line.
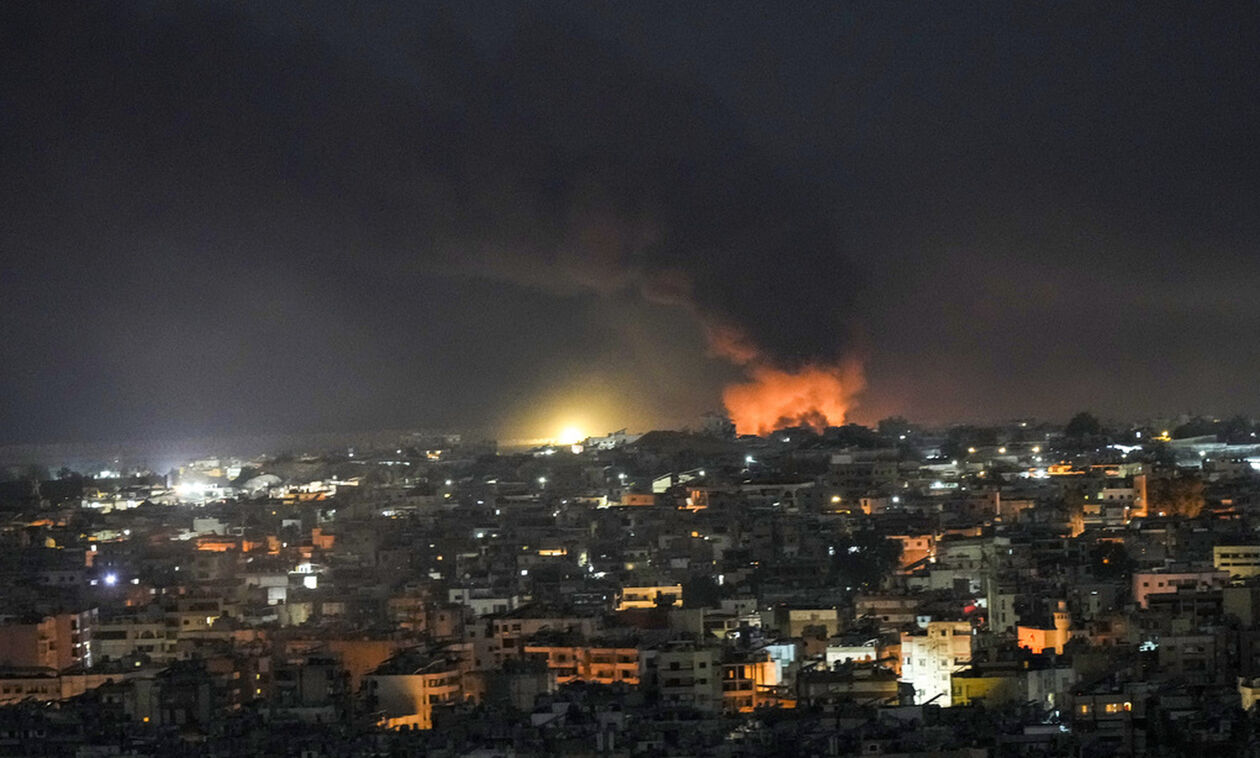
<point x="251" y="219"/>
<point x="629" y="379"/>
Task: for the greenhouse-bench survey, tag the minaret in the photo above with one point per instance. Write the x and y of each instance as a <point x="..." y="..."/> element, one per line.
<point x="1062" y="626"/>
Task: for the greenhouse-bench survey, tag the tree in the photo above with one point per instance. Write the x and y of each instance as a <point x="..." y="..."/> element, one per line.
<point x="1109" y="560"/>
<point x="853" y="435"/>
<point x="1074" y="507"/>
<point x="865" y="559"/>
<point x="1082" y="426"/>
<point x="895" y="426"/>
<point x="1176" y="496"/>
<point x="1236" y="431"/>
<point x="1196" y="427"/>
<point x="701" y="591"/>
<point x="959" y="439"/>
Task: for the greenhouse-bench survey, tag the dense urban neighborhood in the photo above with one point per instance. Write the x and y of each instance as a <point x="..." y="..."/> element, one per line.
<point x="1024" y="589"/>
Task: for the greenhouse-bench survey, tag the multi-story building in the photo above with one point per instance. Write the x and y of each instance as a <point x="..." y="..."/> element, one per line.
<point x="510" y="631"/>
<point x="748" y="682"/>
<point x="648" y="596"/>
<point x="407" y="687"/>
<point x="1241" y="561"/>
<point x="126" y="636"/>
<point x="930" y="658"/>
<point x="58" y="641"/>
<point x="574" y="659"/>
<point x="683" y="674"/>
<point x="1165" y="581"/>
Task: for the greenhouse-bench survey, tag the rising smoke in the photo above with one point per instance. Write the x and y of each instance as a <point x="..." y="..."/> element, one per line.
<point x="546" y="158"/>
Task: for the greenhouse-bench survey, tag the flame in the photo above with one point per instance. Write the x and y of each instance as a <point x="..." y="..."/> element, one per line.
<point x="816" y="395"/>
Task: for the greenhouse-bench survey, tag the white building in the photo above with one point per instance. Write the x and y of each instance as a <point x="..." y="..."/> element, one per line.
<point x="931" y="658"/>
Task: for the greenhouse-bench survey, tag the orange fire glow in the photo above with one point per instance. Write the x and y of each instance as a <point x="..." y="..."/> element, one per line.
<point x="816" y="396"/>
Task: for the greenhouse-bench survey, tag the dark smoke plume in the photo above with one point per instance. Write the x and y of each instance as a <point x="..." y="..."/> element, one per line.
<point x="548" y="160"/>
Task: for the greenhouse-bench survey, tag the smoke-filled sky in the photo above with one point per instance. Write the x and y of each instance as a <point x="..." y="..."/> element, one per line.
<point x="244" y="218"/>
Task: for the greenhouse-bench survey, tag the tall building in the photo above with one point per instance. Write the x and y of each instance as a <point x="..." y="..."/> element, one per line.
<point x="930" y="658"/>
<point x="59" y="641"/>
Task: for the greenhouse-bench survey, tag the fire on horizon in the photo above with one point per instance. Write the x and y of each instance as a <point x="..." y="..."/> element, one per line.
<point x="230" y="218"/>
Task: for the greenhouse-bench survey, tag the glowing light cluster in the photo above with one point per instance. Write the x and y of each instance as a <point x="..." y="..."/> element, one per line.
<point x="570" y="435"/>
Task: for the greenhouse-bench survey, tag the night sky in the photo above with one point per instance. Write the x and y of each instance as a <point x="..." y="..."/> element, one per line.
<point x="241" y="218"/>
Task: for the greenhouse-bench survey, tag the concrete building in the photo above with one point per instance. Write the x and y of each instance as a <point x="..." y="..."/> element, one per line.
<point x="1164" y="581"/>
<point x="1040" y="639"/>
<point x="1241" y="561"/>
<point x="930" y="658"/>
<point x="647" y="596"/>
<point x="408" y="686"/>
<point x="574" y="660"/>
<point x="683" y="674"/>
<point x="56" y="642"/>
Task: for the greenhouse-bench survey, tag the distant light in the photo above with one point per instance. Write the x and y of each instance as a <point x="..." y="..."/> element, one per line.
<point x="901" y="437"/>
<point x="542" y="480"/>
<point x="524" y="572"/>
<point x="1139" y="435"/>
<point x="1036" y="448"/>
<point x="570" y="435"/>
<point x="835" y="498"/>
<point x="702" y="470"/>
<point x="449" y="482"/>
<point x="111" y="579"/>
<point x="748" y="459"/>
<point x="1001" y="451"/>
<point x="971" y="450"/>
